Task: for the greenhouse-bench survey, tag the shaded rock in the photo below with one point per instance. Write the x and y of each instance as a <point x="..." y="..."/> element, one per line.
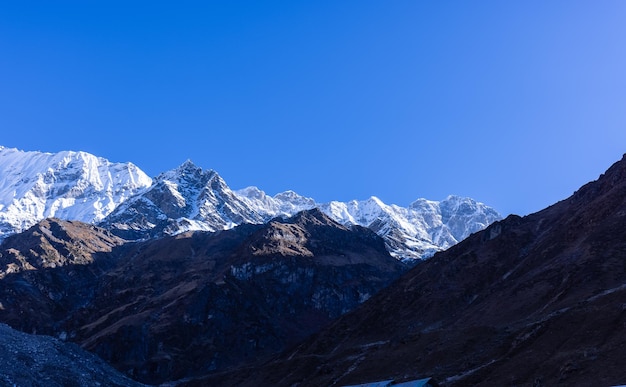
<point x="32" y="360"/>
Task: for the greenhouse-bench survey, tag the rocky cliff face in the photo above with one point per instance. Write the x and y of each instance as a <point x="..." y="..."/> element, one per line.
<point x="529" y="301"/>
<point x="193" y="303"/>
<point x="205" y="302"/>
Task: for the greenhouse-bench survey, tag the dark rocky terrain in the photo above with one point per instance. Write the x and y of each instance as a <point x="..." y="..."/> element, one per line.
<point x="192" y="304"/>
<point x="36" y="360"/>
<point x="538" y="300"/>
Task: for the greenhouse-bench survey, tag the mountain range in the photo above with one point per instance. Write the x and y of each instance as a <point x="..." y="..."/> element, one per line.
<point x="122" y="198"/>
<point x="263" y="298"/>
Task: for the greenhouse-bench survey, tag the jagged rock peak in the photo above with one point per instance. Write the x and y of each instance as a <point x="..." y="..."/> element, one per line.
<point x="188" y="171"/>
<point x="190" y="167"/>
<point x="187" y="198"/>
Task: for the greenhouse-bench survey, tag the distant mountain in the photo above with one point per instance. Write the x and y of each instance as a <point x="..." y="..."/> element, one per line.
<point x="538" y="300"/>
<point x="420" y="230"/>
<point x="181" y="306"/>
<point x="284" y="204"/>
<point x="120" y="197"/>
<point x="68" y="185"/>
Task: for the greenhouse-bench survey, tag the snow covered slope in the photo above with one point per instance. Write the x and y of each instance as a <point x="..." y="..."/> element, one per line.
<point x="284" y="204"/>
<point x="421" y="229"/>
<point x="66" y="185"/>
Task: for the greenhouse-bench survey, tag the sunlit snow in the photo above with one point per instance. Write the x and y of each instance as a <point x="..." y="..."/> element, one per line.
<point x="67" y="185"/>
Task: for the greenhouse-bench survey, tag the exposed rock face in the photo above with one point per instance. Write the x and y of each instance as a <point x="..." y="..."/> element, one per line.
<point x="534" y="300"/>
<point x="204" y="302"/>
<point x="197" y="302"/>
<point x="31" y="360"/>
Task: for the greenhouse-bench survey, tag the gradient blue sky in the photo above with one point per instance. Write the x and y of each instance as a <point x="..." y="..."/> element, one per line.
<point x="514" y="103"/>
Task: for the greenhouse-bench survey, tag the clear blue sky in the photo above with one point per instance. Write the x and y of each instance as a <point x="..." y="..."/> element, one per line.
<point x="514" y="103"/>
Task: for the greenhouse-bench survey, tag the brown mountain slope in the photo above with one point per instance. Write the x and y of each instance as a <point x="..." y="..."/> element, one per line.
<point x="196" y="303"/>
<point x="55" y="243"/>
<point x="50" y="270"/>
<point x="203" y="302"/>
<point x="538" y="300"/>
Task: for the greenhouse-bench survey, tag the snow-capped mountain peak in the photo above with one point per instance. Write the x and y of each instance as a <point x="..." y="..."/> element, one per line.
<point x="187" y="172"/>
<point x="67" y="185"/>
<point x="184" y="198"/>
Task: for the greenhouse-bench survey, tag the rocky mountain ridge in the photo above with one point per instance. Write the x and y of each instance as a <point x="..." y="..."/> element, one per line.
<point x="534" y="300"/>
<point x="187" y="198"/>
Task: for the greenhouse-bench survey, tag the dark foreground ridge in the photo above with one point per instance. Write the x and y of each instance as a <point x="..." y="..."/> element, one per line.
<point x="538" y="300"/>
